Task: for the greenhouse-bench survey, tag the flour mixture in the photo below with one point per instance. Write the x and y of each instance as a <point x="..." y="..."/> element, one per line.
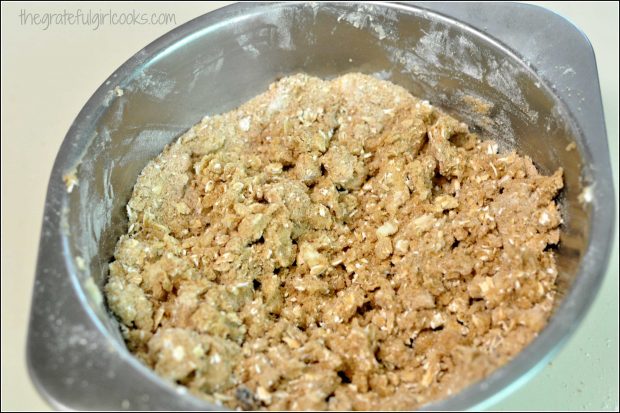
<point x="334" y="245"/>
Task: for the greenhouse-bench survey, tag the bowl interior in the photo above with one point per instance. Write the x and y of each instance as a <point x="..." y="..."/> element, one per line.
<point x="213" y="69"/>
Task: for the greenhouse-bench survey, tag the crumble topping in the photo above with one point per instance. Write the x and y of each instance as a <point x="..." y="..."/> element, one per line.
<point x="334" y="245"/>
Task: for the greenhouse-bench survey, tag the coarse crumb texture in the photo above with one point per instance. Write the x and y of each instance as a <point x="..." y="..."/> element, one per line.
<point x="334" y="245"/>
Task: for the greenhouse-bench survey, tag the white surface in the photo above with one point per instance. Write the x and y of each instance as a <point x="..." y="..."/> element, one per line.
<point x="48" y="75"/>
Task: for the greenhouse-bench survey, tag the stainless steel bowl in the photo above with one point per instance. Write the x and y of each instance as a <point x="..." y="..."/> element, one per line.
<point x="537" y="69"/>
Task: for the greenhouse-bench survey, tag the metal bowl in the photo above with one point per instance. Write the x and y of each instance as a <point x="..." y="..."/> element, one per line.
<point x="537" y="69"/>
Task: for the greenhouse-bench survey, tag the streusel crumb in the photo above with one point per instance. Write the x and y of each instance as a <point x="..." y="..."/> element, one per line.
<point x="334" y="245"/>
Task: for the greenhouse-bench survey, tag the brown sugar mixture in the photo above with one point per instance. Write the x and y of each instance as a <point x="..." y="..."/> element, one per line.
<point x="334" y="245"/>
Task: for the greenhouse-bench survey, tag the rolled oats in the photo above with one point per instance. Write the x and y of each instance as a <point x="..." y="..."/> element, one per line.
<point x="334" y="245"/>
